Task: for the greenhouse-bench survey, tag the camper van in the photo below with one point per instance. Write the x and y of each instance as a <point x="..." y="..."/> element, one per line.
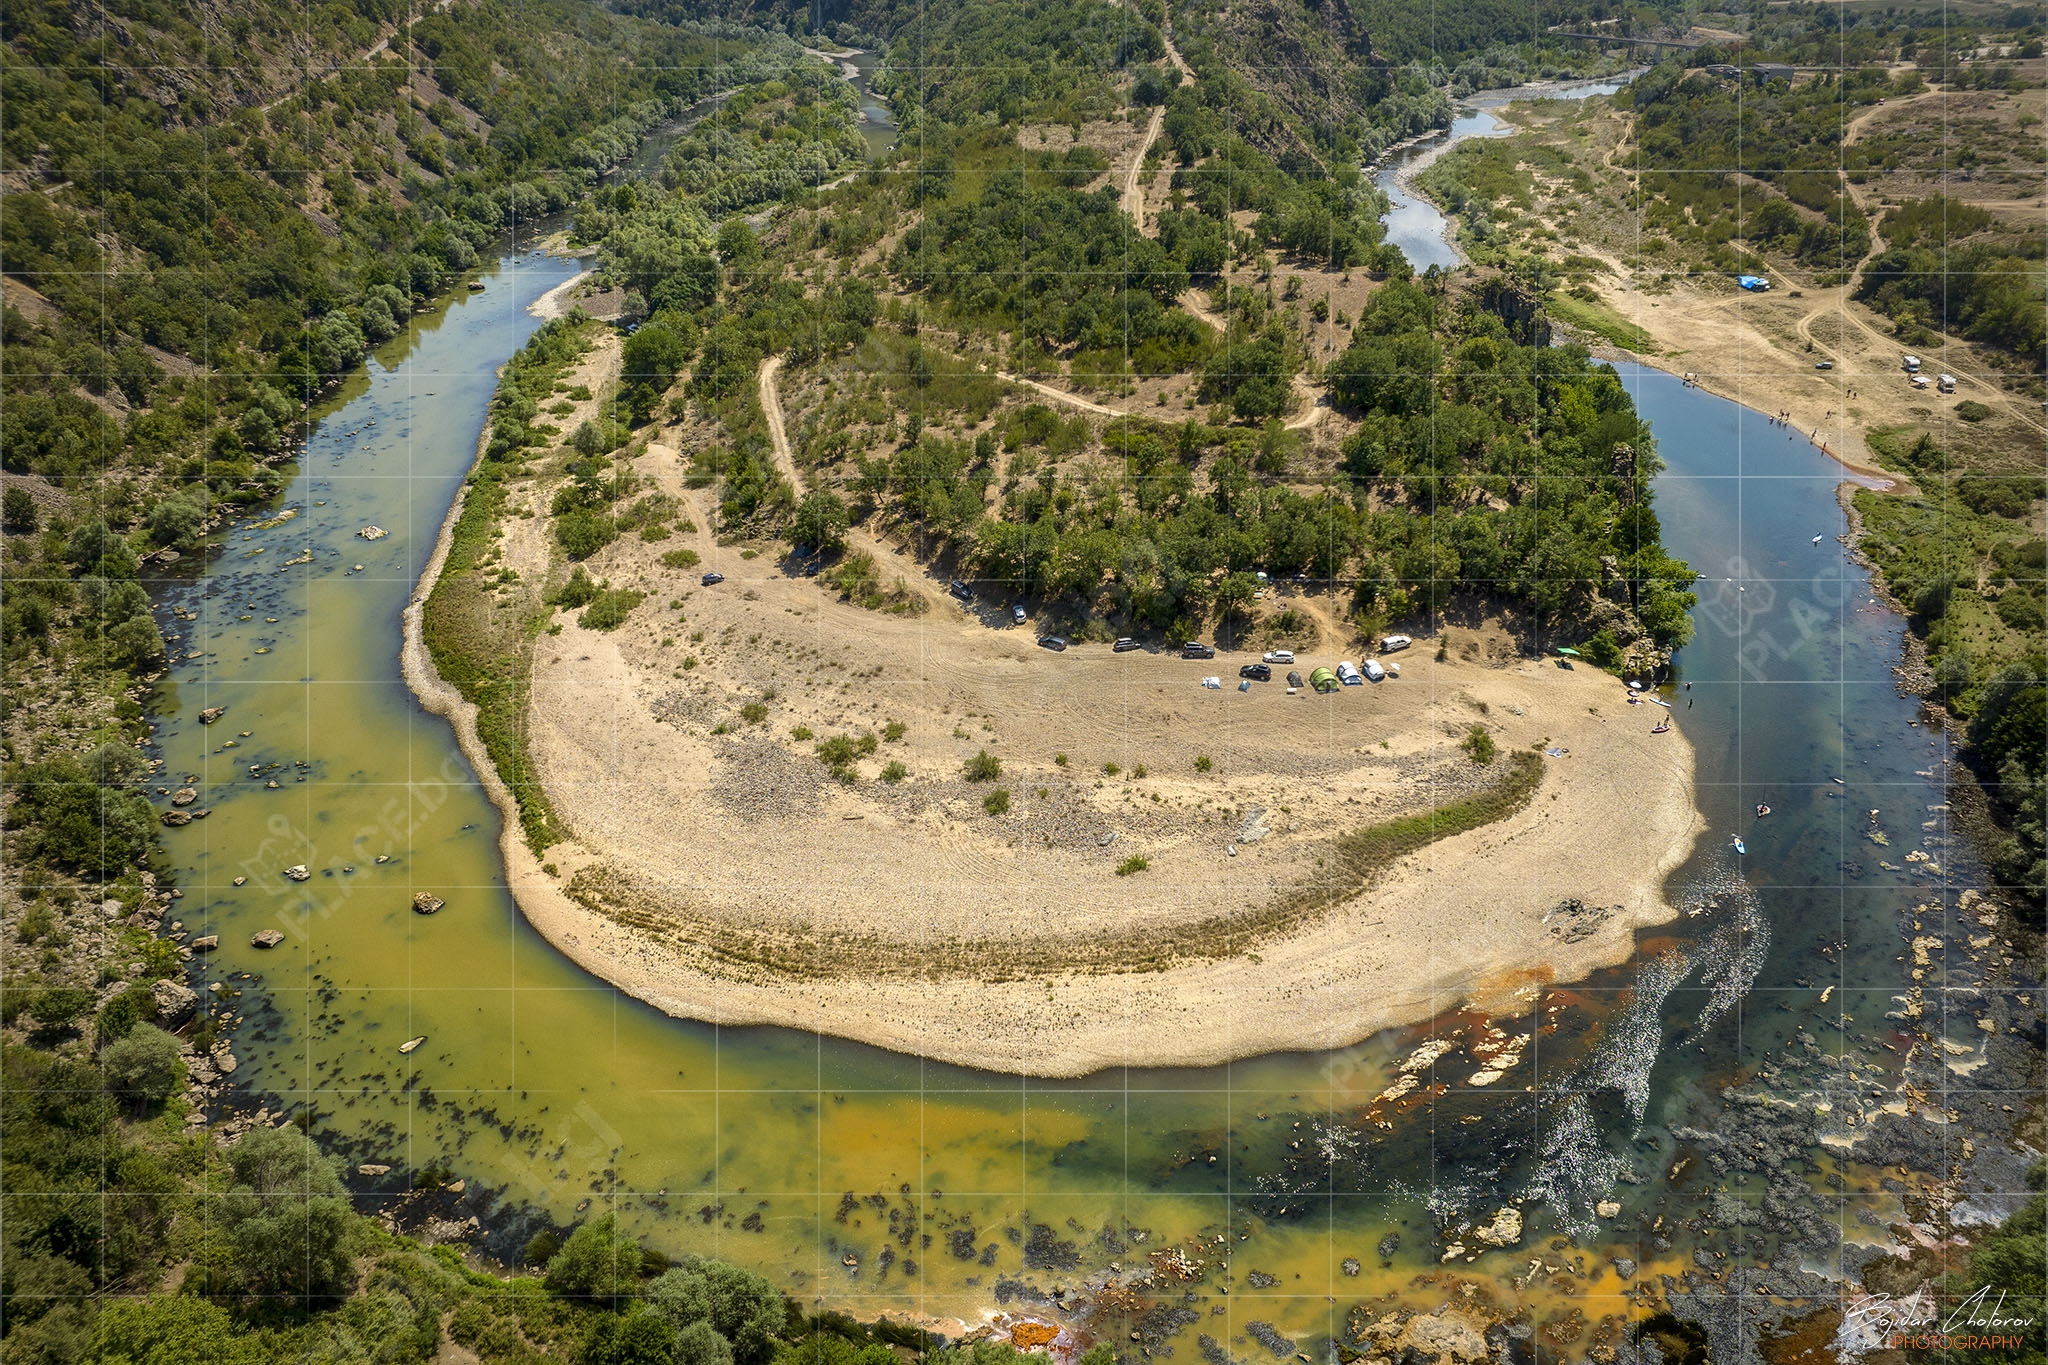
<point x="1946" y="383"/>
<point x="1911" y="364"/>
<point x="1348" y="674"/>
<point x="1394" y="642"/>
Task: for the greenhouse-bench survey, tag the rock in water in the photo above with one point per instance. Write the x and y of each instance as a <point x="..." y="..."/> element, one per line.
<point x="425" y="903"/>
<point x="373" y="533"/>
<point x="265" y="938"/>
<point x="206" y="943"/>
<point x="184" y="796"/>
<point x="297" y="873"/>
<point x="411" y="1044"/>
<point x="1504" y="1231"/>
<point x="176" y="819"/>
<point x="373" y="1168"/>
<point x="212" y="714"/>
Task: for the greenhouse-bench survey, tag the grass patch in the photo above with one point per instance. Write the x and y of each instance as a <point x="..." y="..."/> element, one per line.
<point x="1599" y="320"/>
<point x="1364" y="854"/>
<point x="1132" y="865"/>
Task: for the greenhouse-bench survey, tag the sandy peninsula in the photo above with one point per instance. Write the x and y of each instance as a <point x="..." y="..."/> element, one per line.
<point x="1163" y="887"/>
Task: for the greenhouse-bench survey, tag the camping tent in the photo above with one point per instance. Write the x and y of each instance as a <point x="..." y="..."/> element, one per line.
<point x="1323" y="680"/>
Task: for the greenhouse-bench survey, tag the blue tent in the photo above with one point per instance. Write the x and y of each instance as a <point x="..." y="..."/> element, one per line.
<point x="1755" y="282"/>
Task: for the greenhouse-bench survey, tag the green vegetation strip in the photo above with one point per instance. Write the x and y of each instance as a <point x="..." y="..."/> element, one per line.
<point x="746" y="951"/>
<point x="480" y="645"/>
<point x="1367" y="853"/>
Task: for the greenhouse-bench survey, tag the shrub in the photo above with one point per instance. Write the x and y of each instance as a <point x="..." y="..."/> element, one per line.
<point x="541" y="1247"/>
<point x="1479" y="743"/>
<point x="1203" y="763"/>
<point x="997" y="802"/>
<point x="142" y="1068"/>
<point x="1970" y="410"/>
<point x="754" y="712"/>
<point x="894" y="731"/>
<point x="610" y="608"/>
<point x="681" y="559"/>
<point x="577" y="592"/>
<point x="18" y="512"/>
<point x="1134" y="863"/>
<point x="582" y="533"/>
<point x="893" y="772"/>
<point x="800" y="732"/>
<point x="597" y="1262"/>
<point x="1059" y="760"/>
<point x="983" y="767"/>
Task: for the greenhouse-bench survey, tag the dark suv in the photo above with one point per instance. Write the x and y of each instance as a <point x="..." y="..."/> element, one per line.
<point x="1256" y="672"/>
<point x="1195" y="649"/>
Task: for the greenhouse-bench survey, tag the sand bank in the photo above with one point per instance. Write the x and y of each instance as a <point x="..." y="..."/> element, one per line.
<point x="720" y="872"/>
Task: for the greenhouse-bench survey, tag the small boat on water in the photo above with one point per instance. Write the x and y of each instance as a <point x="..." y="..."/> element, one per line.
<point x="1762" y="810"/>
<point x="1741" y="849"/>
<point x="1660" y="727"/>
<point x="1816" y="539"/>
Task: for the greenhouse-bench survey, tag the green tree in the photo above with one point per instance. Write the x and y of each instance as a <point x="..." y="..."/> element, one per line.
<point x="142" y="1068"/>
<point x="74" y="822"/>
<point x="635" y="1339"/>
<point x="598" y="1262"/>
<point x="821" y="521"/>
<point x="18" y="511"/>
<point x="286" y="1218"/>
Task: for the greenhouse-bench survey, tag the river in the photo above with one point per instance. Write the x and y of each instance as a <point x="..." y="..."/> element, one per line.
<point x="877" y="125"/>
<point x="1417" y="226"/>
<point x="554" y="1096"/>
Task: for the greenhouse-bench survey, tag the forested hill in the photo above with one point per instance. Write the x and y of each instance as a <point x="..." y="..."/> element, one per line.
<point x="211" y="218"/>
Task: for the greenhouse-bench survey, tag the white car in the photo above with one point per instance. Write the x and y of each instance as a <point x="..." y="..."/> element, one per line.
<point x="1374" y="672"/>
<point x="1278" y="656"/>
<point x="1394" y="642"/>
<point x="1348" y="674"/>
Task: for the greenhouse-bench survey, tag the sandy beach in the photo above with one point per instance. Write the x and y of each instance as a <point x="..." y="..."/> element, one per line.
<point x="720" y="872"/>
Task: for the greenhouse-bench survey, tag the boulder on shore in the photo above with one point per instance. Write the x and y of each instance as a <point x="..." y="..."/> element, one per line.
<point x="174" y="1002"/>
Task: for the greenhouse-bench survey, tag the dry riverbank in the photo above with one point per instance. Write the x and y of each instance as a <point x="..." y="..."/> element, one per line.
<point x="719" y="871"/>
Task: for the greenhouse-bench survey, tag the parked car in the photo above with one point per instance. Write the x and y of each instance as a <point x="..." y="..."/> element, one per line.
<point x="1374" y="672"/>
<point x="1279" y="656"/>
<point x="1395" y="642"/>
<point x="711" y="578"/>
<point x="1195" y="649"/>
<point x="1052" y="642"/>
<point x="1125" y="644"/>
<point x="960" y="590"/>
<point x="1256" y="672"/>
<point x="1348" y="674"/>
<point x="1017" y="614"/>
<point x="1823" y="364"/>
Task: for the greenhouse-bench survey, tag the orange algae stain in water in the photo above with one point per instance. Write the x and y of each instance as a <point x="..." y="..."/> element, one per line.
<point x="1030" y="1334"/>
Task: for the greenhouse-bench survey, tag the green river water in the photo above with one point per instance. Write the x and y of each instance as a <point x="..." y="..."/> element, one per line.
<point x="553" y="1095"/>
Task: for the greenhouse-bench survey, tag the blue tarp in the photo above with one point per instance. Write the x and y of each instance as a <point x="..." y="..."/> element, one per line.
<point x="1752" y="282"/>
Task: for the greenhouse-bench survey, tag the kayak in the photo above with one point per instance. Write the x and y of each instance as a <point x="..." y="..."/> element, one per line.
<point x="1741" y="850"/>
<point x="1659" y="701"/>
<point x="1660" y="727"/>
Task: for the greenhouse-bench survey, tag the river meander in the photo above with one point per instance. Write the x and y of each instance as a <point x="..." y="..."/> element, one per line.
<point x="553" y="1094"/>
